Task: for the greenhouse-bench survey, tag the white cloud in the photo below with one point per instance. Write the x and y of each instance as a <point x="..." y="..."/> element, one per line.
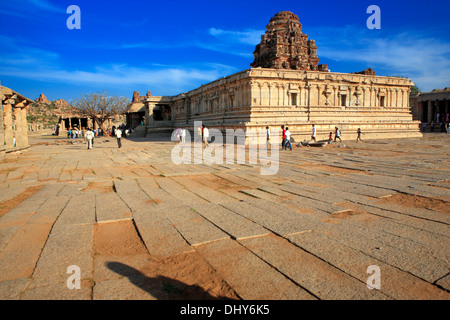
<point x="22" y="8"/>
<point x="223" y="48"/>
<point x="413" y="54"/>
<point x="237" y="43"/>
<point x="163" y="81"/>
<point x="41" y="65"/>
<point x="423" y="59"/>
<point x="45" y="5"/>
<point x="22" y="61"/>
<point x="248" y="37"/>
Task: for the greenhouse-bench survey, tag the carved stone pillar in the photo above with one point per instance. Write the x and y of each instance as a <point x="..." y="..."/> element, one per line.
<point x="8" y="122"/>
<point x="397" y="96"/>
<point x="436" y="110"/>
<point x="284" y="97"/>
<point x="387" y="99"/>
<point x="269" y="88"/>
<point x="2" y="125"/>
<point x="336" y="101"/>
<point x="430" y="112"/>
<point x="18" y="127"/>
<point x="253" y="93"/>
<point x="308" y="89"/>
<point x="319" y="95"/>
<point x="402" y="96"/>
<point x="350" y="102"/>
<point x="358" y="94"/>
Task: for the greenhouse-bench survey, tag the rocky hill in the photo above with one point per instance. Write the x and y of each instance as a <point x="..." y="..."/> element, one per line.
<point x="46" y="112"/>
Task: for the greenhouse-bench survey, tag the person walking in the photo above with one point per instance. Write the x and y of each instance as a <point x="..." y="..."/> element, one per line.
<point x="178" y="134"/>
<point x="267" y="137"/>
<point x="337" y="134"/>
<point x="283" y="141"/>
<point x="359" y="135"/>
<point x="89" y="136"/>
<point x="183" y="135"/>
<point x="288" y="139"/>
<point x="205" y="136"/>
<point x="119" y="137"/>
<point x="313" y="136"/>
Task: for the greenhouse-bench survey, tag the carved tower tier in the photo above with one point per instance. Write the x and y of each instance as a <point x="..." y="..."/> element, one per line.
<point x="285" y="46"/>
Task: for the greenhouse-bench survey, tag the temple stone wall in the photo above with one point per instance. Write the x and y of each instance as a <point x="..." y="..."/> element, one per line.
<point x="287" y="86"/>
<point x="257" y="98"/>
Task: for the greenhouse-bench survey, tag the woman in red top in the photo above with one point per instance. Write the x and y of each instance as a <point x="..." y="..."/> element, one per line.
<point x="283" y="144"/>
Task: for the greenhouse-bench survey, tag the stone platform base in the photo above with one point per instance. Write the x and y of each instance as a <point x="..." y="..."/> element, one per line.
<point x="162" y="132"/>
<point x="139" y="131"/>
<point x="303" y="131"/>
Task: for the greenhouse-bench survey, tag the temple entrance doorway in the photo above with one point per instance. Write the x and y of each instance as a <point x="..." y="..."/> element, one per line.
<point x="158" y="114"/>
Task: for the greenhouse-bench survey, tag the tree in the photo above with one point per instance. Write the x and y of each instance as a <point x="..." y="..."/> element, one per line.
<point x="415" y="91"/>
<point x="99" y="106"/>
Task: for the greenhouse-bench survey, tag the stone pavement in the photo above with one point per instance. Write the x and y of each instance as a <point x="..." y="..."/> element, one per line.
<point x="140" y="227"/>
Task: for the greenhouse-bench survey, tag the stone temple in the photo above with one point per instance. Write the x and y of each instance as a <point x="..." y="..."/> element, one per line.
<point x="286" y="86"/>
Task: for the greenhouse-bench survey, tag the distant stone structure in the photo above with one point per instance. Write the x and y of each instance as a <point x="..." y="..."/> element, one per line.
<point x="59" y="116"/>
<point x="13" y="121"/>
<point x="427" y="105"/>
<point x="136" y="97"/>
<point x="367" y="72"/>
<point x="287" y="86"/>
<point x="136" y="112"/>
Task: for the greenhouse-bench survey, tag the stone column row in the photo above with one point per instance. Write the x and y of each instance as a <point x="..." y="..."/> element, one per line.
<point x="322" y="94"/>
<point x="14" y="125"/>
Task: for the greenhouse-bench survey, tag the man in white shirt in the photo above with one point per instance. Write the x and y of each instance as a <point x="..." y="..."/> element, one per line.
<point x="89" y="136"/>
<point x="183" y="135"/>
<point x="119" y="137"/>
<point x="206" y="136"/>
<point x="314" y="132"/>
<point x="288" y="139"/>
<point x="337" y="134"/>
<point x="268" y="137"/>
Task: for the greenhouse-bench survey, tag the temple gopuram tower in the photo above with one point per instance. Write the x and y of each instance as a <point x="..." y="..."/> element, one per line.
<point x="285" y="46"/>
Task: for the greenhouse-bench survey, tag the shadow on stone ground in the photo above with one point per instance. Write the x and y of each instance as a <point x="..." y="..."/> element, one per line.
<point x="160" y="287"/>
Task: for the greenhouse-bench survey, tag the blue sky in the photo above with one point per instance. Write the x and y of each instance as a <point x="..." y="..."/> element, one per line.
<point x="170" y="47"/>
